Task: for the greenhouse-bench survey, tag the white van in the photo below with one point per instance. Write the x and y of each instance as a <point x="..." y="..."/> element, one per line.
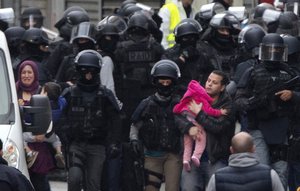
<point x="11" y="126"/>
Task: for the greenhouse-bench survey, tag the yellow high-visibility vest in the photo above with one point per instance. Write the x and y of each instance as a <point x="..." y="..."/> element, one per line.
<point x="174" y="20"/>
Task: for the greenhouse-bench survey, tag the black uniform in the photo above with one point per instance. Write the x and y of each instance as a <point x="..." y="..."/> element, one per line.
<point x="94" y="122"/>
<point x="267" y="114"/>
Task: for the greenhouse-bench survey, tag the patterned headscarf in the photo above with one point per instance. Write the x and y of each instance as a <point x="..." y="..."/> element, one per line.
<point x="35" y="84"/>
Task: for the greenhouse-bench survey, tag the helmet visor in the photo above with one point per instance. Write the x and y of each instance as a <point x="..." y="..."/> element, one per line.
<point x="273" y="52"/>
<point x="83" y="30"/>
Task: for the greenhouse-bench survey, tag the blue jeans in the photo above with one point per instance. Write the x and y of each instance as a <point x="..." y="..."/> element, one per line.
<point x="262" y="151"/>
<point x="86" y="165"/>
<point x="114" y="174"/>
<point x="197" y="179"/>
<point x="294" y="175"/>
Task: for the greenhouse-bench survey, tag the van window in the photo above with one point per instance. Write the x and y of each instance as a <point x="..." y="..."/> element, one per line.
<point x="5" y="93"/>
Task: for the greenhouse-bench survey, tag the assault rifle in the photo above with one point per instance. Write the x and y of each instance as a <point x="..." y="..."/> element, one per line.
<point x="270" y="91"/>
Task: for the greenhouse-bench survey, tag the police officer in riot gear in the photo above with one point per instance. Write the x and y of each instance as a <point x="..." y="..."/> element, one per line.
<point x="94" y="123"/>
<point x="267" y="102"/>
<point x="206" y="12"/>
<point x="185" y="53"/>
<point x="288" y="24"/>
<point x="154" y="126"/>
<point x="82" y="38"/>
<point x="220" y="41"/>
<point x="249" y="40"/>
<point x="135" y="58"/>
<point x="31" y="17"/>
<point x="14" y="41"/>
<point x="293" y="45"/>
<point x="35" y="48"/>
<point x="59" y="49"/>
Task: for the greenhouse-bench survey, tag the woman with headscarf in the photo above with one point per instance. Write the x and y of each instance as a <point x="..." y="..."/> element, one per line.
<point x="41" y="161"/>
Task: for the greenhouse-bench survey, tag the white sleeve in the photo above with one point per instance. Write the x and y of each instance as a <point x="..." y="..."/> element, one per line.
<point x="165" y="14"/>
<point x="28" y="137"/>
<point x="106" y="74"/>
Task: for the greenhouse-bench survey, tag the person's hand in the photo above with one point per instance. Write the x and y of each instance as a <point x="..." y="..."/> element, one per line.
<point x="21" y="102"/>
<point x="136" y="146"/>
<point x="113" y="151"/>
<point x="40" y="138"/>
<point x="285" y="95"/>
<point x="69" y="83"/>
<point x="194" y="107"/>
<point x="224" y="111"/>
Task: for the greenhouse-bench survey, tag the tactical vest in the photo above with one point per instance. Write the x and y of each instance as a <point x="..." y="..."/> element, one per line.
<point x="264" y="80"/>
<point x="86" y="116"/>
<point x="159" y="131"/>
<point x="139" y="59"/>
<point x="251" y="178"/>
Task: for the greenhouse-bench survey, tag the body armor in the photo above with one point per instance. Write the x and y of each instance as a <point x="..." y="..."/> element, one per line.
<point x="159" y="131"/>
<point x="88" y="121"/>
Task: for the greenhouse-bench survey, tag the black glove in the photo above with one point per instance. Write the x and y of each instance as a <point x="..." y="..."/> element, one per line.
<point x="113" y="151"/>
<point x="136" y="146"/>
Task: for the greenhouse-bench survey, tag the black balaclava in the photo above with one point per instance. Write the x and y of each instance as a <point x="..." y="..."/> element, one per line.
<point x="84" y="46"/>
<point x="88" y="85"/>
<point x="108" y="45"/>
<point x="165" y="91"/>
<point x="222" y="42"/>
<point x="191" y="41"/>
<point x="138" y="34"/>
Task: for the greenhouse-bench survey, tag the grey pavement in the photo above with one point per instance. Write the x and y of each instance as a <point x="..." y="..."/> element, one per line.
<point x="62" y="186"/>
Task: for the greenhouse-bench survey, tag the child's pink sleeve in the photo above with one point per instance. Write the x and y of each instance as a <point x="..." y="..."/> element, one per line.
<point x="210" y="110"/>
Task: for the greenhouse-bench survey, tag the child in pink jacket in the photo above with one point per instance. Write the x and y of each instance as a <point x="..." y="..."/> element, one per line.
<point x="195" y="92"/>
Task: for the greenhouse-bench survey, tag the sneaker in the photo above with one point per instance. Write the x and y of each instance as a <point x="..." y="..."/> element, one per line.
<point x="196" y="161"/>
<point x="187" y="166"/>
<point x="31" y="157"/>
<point x="60" y="160"/>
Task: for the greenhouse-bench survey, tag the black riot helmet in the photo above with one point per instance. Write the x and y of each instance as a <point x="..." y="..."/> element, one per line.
<point x="288" y="23"/>
<point x="35" y="36"/>
<point x="107" y="37"/>
<point x="187" y="27"/>
<point x="88" y="59"/>
<point x="226" y="20"/>
<point x="116" y="20"/>
<point x="207" y="11"/>
<point x="63" y="20"/>
<point x="251" y="36"/>
<point x="14" y="36"/>
<point x="31" y="17"/>
<point x="138" y="20"/>
<point x="124" y="6"/>
<point x="138" y="27"/>
<point x="165" y="69"/>
<point x="292" y="43"/>
<point x="273" y="49"/>
<point x="130" y="10"/>
<point x="71" y="19"/>
<point x="260" y="9"/>
<point x="107" y="29"/>
<point x="84" y="30"/>
<point x="88" y="64"/>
